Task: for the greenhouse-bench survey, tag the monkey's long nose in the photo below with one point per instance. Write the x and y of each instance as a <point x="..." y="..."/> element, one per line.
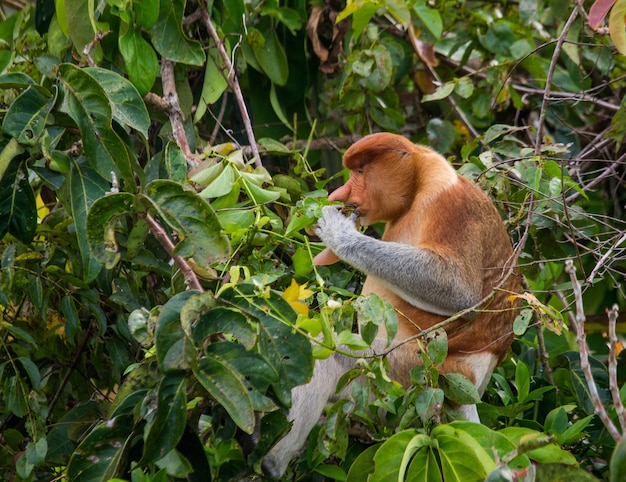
<point x="341" y="194"/>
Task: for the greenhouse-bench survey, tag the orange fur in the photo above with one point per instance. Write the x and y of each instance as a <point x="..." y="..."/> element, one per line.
<point x="425" y="203"/>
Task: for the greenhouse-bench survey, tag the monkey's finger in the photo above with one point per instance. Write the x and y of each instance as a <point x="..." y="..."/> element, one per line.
<point x="356" y="214"/>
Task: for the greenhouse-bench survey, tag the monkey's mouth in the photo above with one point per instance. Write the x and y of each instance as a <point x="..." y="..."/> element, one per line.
<point x="351" y="210"/>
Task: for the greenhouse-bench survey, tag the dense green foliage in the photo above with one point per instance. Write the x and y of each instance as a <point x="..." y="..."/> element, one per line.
<point x="157" y="291"/>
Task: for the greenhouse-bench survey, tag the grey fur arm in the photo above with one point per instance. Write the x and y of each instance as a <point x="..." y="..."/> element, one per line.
<point x="419" y="276"/>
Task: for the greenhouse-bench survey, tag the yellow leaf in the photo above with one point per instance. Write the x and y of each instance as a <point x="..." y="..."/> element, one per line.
<point x="616" y="26"/>
<point x="296" y="292"/>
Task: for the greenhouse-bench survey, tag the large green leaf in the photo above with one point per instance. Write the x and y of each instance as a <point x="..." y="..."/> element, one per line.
<point x="27" y="116"/>
<point x="424" y="467"/>
<point x="287" y="351"/>
<point x="173" y="349"/>
<point x="142" y="64"/>
<point x="228" y="387"/>
<point x="101" y="454"/>
<point x="214" y="83"/>
<point x="271" y="55"/>
<point x="257" y="372"/>
<point x="393" y="456"/>
<point x="86" y="186"/>
<point x="18" y="209"/>
<point x="86" y="102"/>
<point x="127" y="106"/>
<point x="462" y="459"/>
<point x="193" y="219"/>
<point x="169" y="39"/>
<point x="170" y="421"/>
<point x="101" y="224"/>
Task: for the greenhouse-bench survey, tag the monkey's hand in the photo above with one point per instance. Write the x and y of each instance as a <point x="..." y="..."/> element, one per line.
<point x="336" y="231"/>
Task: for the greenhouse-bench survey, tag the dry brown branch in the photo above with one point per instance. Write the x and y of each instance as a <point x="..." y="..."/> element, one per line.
<point x="579" y="326"/>
<point x="233" y="83"/>
<point x="91" y="45"/>
<point x="159" y="233"/>
<point x="175" y="113"/>
<point x="617" y="401"/>
<point x="550" y="76"/>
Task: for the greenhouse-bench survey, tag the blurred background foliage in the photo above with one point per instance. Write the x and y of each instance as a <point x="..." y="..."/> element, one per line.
<point x="161" y="166"/>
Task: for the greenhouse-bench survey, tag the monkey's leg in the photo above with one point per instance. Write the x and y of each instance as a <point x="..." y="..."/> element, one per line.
<point x="308" y="402"/>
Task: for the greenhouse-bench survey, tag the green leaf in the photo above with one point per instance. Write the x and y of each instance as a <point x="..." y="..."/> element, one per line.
<point x="392" y="456"/>
<point x="424" y="467"/>
<point x="428" y="402"/>
<point x="429" y="17"/>
<point x="101" y="454"/>
<point x="175" y="163"/>
<point x="32" y="371"/>
<point x="146" y="12"/>
<point x="72" y="322"/>
<point x="86" y="102"/>
<point x="227" y="386"/>
<point x="272" y="58"/>
<point x="215" y="83"/>
<point x="546" y="451"/>
<point x="287" y="351"/>
<point x="459" y="388"/>
<point x="80" y="25"/>
<point x="193" y="219"/>
<point x="26" y="118"/>
<point x="458" y="455"/>
<point x="142" y="64"/>
<point x="437" y="347"/>
<point x="173" y="350"/>
<point x="363" y="465"/>
<point x="484" y="455"/>
<point x="616" y="25"/>
<point x="18" y="209"/>
<point x="169" y="423"/>
<point x="373" y="312"/>
<point x="16" y="80"/>
<point x="86" y="186"/>
<point x="101" y="226"/>
<point x="220" y="185"/>
<point x="127" y="106"/>
<point x="442" y="92"/>
<point x="224" y="320"/>
<point x="257" y="373"/>
<point x="618" y="461"/>
<point x="522" y="381"/>
<point x="169" y="39"/>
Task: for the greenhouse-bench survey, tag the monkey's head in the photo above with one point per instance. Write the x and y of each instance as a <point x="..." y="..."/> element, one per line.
<point x="383" y="177"/>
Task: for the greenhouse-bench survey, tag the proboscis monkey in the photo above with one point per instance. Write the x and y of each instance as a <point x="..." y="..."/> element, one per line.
<point x="444" y="249"/>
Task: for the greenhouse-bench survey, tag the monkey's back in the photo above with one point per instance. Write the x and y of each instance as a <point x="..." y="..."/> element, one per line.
<point x="461" y="221"/>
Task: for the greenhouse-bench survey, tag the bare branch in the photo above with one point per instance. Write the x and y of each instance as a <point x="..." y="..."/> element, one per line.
<point x="552" y="68"/>
<point x="579" y="325"/>
<point x="159" y="233"/>
<point x="617" y="401"/>
<point x="177" y="118"/>
<point x="233" y="82"/>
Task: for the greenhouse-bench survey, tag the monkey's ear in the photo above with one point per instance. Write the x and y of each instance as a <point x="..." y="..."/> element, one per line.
<point x="325" y="258"/>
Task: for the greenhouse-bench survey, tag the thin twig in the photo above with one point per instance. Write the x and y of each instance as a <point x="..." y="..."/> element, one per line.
<point x="72" y="367"/>
<point x="233" y="82"/>
<point x="159" y="233"/>
<point x="579" y="325"/>
<point x="546" y="96"/>
<point x="604" y="257"/>
<point x="91" y="45"/>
